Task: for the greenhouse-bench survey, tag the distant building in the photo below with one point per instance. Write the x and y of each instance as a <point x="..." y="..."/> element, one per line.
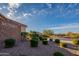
<point x="10" y="28"/>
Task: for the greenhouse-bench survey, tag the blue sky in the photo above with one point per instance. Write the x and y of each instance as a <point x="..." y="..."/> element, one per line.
<point x="61" y="18"/>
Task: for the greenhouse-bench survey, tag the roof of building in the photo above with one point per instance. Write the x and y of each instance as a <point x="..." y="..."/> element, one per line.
<point x="12" y="20"/>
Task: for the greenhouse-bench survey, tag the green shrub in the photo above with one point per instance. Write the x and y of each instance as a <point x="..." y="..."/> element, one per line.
<point x="57" y="41"/>
<point x="62" y="44"/>
<point x="34" y="43"/>
<point x="75" y="41"/>
<point x="35" y="38"/>
<point x="45" y="42"/>
<point x="51" y="39"/>
<point x="9" y="43"/>
<point x="78" y="42"/>
<point x="41" y="38"/>
<point x="58" y="54"/>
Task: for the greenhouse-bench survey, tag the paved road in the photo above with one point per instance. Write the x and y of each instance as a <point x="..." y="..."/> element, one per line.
<point x="23" y="48"/>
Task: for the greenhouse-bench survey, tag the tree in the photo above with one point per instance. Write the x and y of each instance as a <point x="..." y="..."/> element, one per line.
<point x="70" y="34"/>
<point x="48" y="33"/>
<point x="77" y="35"/>
<point x="23" y="35"/>
<point x="34" y="34"/>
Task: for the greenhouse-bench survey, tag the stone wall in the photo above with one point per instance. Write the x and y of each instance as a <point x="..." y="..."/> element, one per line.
<point x="9" y="29"/>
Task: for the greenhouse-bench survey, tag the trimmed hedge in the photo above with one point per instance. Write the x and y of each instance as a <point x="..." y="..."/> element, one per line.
<point x="58" y="54"/>
<point x="45" y="42"/>
<point x="34" y="43"/>
<point x="51" y="39"/>
<point x="62" y="44"/>
<point x="41" y="38"/>
<point x="57" y="41"/>
<point x="9" y="43"/>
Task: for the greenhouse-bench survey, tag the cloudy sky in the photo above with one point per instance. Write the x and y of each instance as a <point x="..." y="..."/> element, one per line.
<point x="58" y="17"/>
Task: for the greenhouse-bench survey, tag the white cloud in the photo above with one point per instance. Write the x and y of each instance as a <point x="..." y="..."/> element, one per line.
<point x="72" y="5"/>
<point x="35" y="11"/>
<point x="43" y="12"/>
<point x="49" y="5"/>
<point x="39" y="12"/>
<point x="14" y="5"/>
<point x="0" y="8"/>
<point x="4" y="7"/>
<point x="12" y="9"/>
<point x="27" y="14"/>
<point x="67" y="26"/>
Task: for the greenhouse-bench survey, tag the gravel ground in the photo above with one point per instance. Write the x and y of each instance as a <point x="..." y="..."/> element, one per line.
<point x="24" y="49"/>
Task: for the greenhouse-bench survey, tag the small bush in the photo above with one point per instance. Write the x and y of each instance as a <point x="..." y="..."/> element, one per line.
<point x="45" y="42"/>
<point x="57" y="41"/>
<point x="35" y="38"/>
<point x="40" y="38"/>
<point x="75" y="41"/>
<point x="9" y="43"/>
<point x="62" y="44"/>
<point x="34" y="42"/>
<point x="58" y="54"/>
<point x="51" y="40"/>
<point x="78" y="42"/>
